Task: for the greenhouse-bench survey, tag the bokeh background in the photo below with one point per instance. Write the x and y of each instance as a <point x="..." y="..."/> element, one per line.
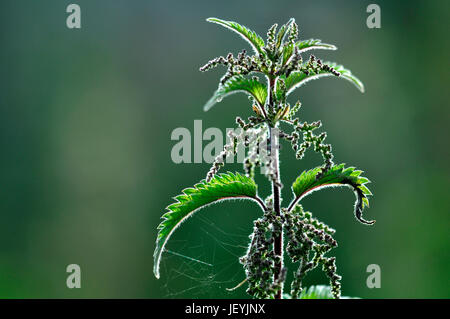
<point x="85" y="123"/>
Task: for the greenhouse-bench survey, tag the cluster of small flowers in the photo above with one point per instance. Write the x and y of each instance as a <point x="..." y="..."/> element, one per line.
<point x="219" y="161"/>
<point x="329" y="267"/>
<point x="241" y="65"/>
<point x="260" y="260"/>
<point x="309" y="219"/>
<point x="294" y="110"/>
<point x="315" y="66"/>
<point x="287" y="59"/>
<point x="280" y="92"/>
<point x="254" y="143"/>
<point x="268" y="157"/>
<point x="270" y="171"/>
<point x="309" y="139"/>
<point x="213" y="63"/>
<point x="259" y="152"/>
<point x="251" y="135"/>
<point x="295" y="63"/>
<point x="294" y="33"/>
<point x="304" y="234"/>
<point x="271" y="39"/>
<point x="253" y="121"/>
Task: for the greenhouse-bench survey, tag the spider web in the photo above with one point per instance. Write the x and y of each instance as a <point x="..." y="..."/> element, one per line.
<point x="205" y="262"/>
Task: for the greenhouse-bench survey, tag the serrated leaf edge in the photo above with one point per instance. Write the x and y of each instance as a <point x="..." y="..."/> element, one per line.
<point x="349" y="178"/>
<point x="223" y="179"/>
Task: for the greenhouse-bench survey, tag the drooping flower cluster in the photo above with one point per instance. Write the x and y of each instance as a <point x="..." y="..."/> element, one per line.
<point x="307" y="236"/>
<point x="260" y="260"/>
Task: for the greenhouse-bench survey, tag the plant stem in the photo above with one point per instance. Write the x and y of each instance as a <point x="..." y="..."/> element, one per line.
<point x="278" y="243"/>
<point x="274" y="154"/>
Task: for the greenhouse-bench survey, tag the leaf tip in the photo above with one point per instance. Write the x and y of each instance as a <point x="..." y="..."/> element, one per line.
<point x="368" y="222"/>
<point x="157" y="256"/>
<point x="361" y="87"/>
<point x="213" y="20"/>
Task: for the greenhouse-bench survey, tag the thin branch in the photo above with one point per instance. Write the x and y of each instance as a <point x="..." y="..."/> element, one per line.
<point x="263" y="110"/>
<point x="237" y="286"/>
<point x="260" y="202"/>
<point x="292" y="204"/>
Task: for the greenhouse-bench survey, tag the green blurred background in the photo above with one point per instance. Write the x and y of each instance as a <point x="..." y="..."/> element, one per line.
<point x="85" y="123"/>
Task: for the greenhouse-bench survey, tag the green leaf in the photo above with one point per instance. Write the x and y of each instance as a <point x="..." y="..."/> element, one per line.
<point x="221" y="187"/>
<point x="282" y="32"/>
<point x="297" y="79"/>
<point x="256" y="42"/>
<point x="319" y="292"/>
<point x="286" y="54"/>
<point x="316" y="292"/>
<point x="336" y="176"/>
<point x="313" y="44"/>
<point x="237" y="84"/>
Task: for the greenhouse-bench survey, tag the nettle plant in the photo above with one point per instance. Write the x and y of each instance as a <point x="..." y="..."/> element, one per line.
<point x="280" y="230"/>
